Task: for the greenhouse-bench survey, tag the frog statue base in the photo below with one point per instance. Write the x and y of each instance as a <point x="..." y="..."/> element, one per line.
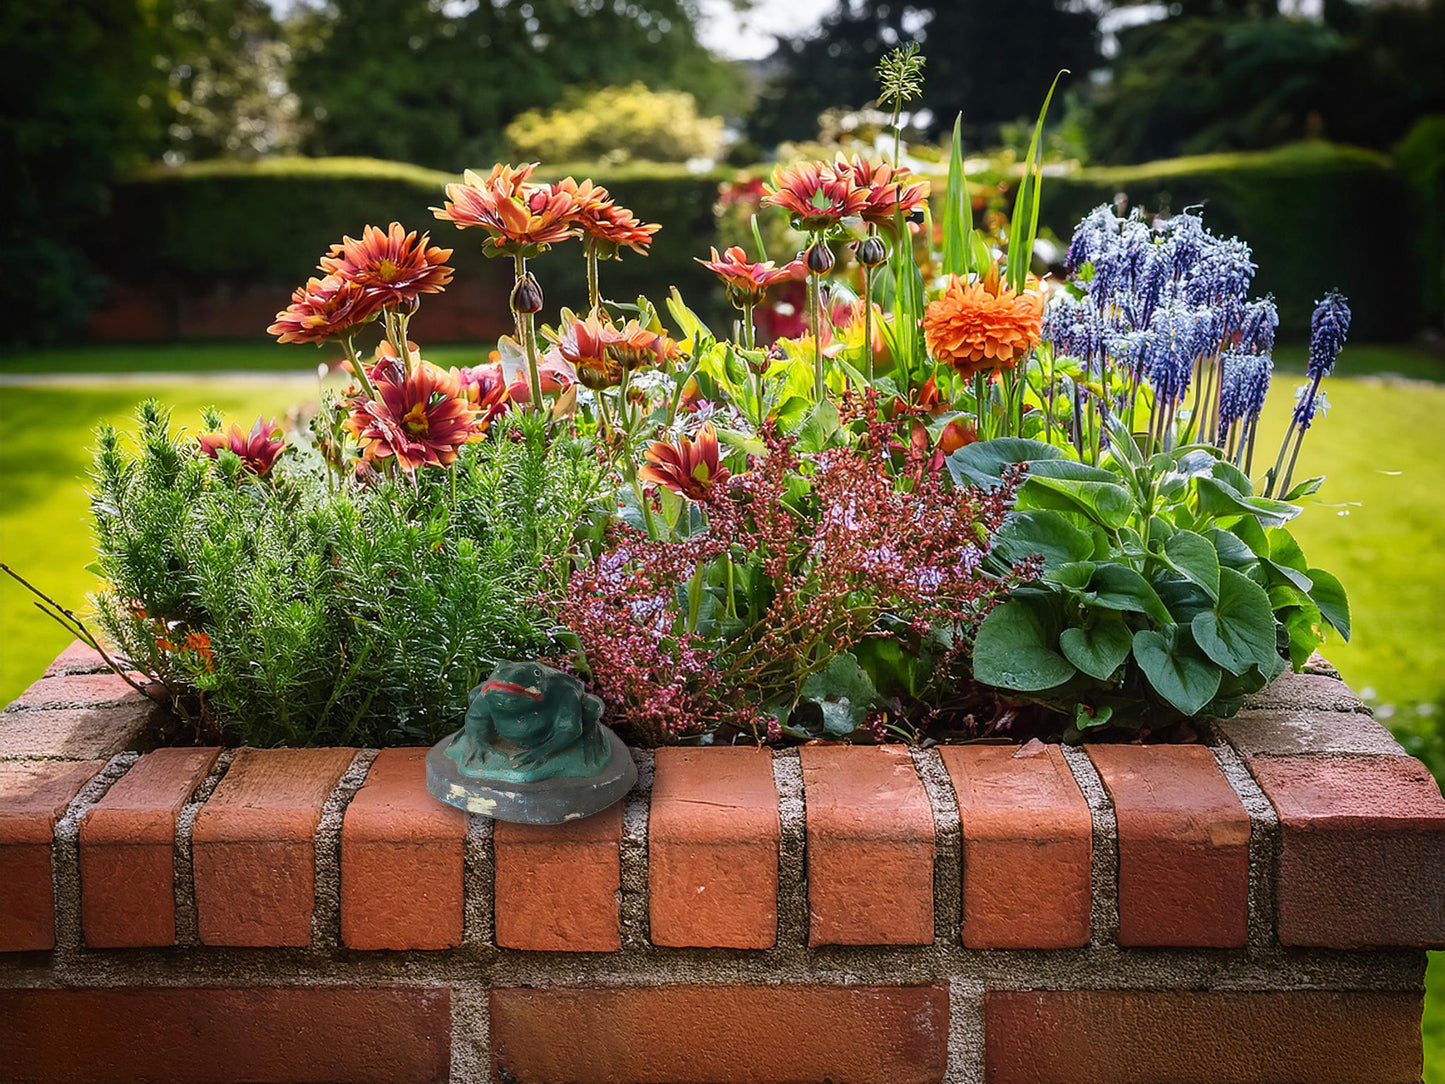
<point x="532" y="751"/>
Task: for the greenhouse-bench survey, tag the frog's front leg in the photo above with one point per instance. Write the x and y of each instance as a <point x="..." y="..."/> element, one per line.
<point x="566" y="729"/>
<point x="479" y="734"/>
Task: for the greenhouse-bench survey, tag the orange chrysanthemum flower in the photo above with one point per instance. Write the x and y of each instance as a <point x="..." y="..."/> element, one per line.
<point x="422" y="418"/>
<point x="600" y="352"/>
<point x="690" y="468"/>
<point x="521" y="217"/>
<point x="604" y="222"/>
<point x="886" y="189"/>
<point x="746" y="283"/>
<point x="258" y="449"/>
<point x="815" y="195"/>
<point x="392" y="264"/>
<point x="323" y="309"/>
<point x="982" y="326"/>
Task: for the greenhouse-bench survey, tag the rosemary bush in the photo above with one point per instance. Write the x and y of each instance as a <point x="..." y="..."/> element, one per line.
<point x="310" y="614"/>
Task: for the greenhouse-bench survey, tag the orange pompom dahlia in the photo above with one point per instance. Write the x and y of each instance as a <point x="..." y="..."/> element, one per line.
<point x="984" y="325"/>
<point x="392" y="265"/>
<point x="522" y="217"/>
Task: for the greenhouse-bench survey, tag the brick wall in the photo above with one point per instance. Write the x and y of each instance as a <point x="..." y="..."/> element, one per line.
<point x="1251" y="909"/>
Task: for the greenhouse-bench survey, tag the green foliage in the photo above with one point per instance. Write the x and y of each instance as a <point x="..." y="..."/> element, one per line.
<point x="76" y="80"/>
<point x="1236" y="77"/>
<point x="193" y="227"/>
<point x="617" y="124"/>
<point x="358" y="616"/>
<point x="1167" y="588"/>
<point x="437" y="83"/>
<point x="984" y="60"/>
<point x="1421" y="159"/>
<point x="1306" y="210"/>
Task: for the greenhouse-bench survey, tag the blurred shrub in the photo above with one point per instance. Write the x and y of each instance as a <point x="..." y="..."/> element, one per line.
<point x="209" y="227"/>
<point x="1421" y="158"/>
<point x="1318" y="215"/>
<point x="618" y="124"/>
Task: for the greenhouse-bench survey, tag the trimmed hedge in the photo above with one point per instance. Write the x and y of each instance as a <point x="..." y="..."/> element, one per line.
<point x="214" y="225"/>
<point x="1317" y="215"/>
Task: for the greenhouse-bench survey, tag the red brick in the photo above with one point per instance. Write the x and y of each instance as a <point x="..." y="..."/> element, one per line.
<point x="870" y="847"/>
<point x="402" y="860"/>
<point x="557" y="884"/>
<point x="33" y="796"/>
<point x="1183" y="846"/>
<point x="78" y="658"/>
<point x="172" y="1035"/>
<point x="73" y="733"/>
<point x="127" y="851"/>
<point x="77" y="691"/>
<point x="712" y="847"/>
<point x="1027" y="847"/>
<point x="1149" y="1037"/>
<point x="721" y="1034"/>
<point x="1362" y="861"/>
<point x="254" y="846"/>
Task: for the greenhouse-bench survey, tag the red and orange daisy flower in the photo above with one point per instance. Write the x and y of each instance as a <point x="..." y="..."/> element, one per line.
<point x="324" y="309"/>
<point x="485" y="387"/>
<point x="886" y="189"/>
<point x="979" y="326"/>
<point x="691" y="468"/>
<point x="747" y="283"/>
<point x="600" y="352"/>
<point x="422" y="419"/>
<point x="257" y="449"/>
<point x="521" y="217"/>
<point x="815" y="195"/>
<point x="605" y="223"/>
<point x="394" y="266"/>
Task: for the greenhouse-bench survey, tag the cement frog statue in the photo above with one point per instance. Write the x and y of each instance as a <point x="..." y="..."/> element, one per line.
<point x="529" y="722"/>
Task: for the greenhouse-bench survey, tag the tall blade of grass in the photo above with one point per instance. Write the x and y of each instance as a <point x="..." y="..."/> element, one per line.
<point x="758" y="239"/>
<point x="907" y="300"/>
<point x="957" y="211"/>
<point x="1025" y="225"/>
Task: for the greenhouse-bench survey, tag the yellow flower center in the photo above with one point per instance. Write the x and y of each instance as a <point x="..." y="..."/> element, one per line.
<point x="414" y="421"/>
<point x="387" y="269"/>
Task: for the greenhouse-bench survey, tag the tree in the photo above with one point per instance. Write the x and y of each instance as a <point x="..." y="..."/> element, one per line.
<point x="77" y="86"/>
<point x="1250" y="79"/>
<point x="436" y="83"/>
<point x="990" y="62"/>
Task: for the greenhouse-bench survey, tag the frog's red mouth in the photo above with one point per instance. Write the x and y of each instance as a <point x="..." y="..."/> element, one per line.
<point x="512" y="689"/>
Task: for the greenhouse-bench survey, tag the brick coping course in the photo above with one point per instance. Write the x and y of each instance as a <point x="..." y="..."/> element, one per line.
<point x="1287" y="873"/>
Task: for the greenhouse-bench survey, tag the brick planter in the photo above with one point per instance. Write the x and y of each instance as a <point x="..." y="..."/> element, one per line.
<point x="1252" y="909"/>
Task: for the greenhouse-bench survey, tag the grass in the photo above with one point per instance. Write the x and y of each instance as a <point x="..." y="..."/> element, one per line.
<point x="1379" y="523"/>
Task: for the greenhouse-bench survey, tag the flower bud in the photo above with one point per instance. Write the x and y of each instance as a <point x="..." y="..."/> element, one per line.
<point x="527" y="295"/>
<point x="871" y="251"/>
<point x="820" y="258"/>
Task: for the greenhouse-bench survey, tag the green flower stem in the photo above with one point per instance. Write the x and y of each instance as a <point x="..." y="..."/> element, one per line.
<point x="594" y="293"/>
<point x="527" y="333"/>
<point x="348" y="344"/>
<point x="868" y="324"/>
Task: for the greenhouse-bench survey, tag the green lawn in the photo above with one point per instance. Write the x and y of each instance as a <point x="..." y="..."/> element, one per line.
<point x="1379" y="523"/>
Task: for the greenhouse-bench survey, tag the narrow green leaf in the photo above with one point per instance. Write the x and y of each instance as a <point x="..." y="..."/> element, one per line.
<point x="957" y="211"/>
<point x="1025" y="222"/>
<point x="758" y="240"/>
